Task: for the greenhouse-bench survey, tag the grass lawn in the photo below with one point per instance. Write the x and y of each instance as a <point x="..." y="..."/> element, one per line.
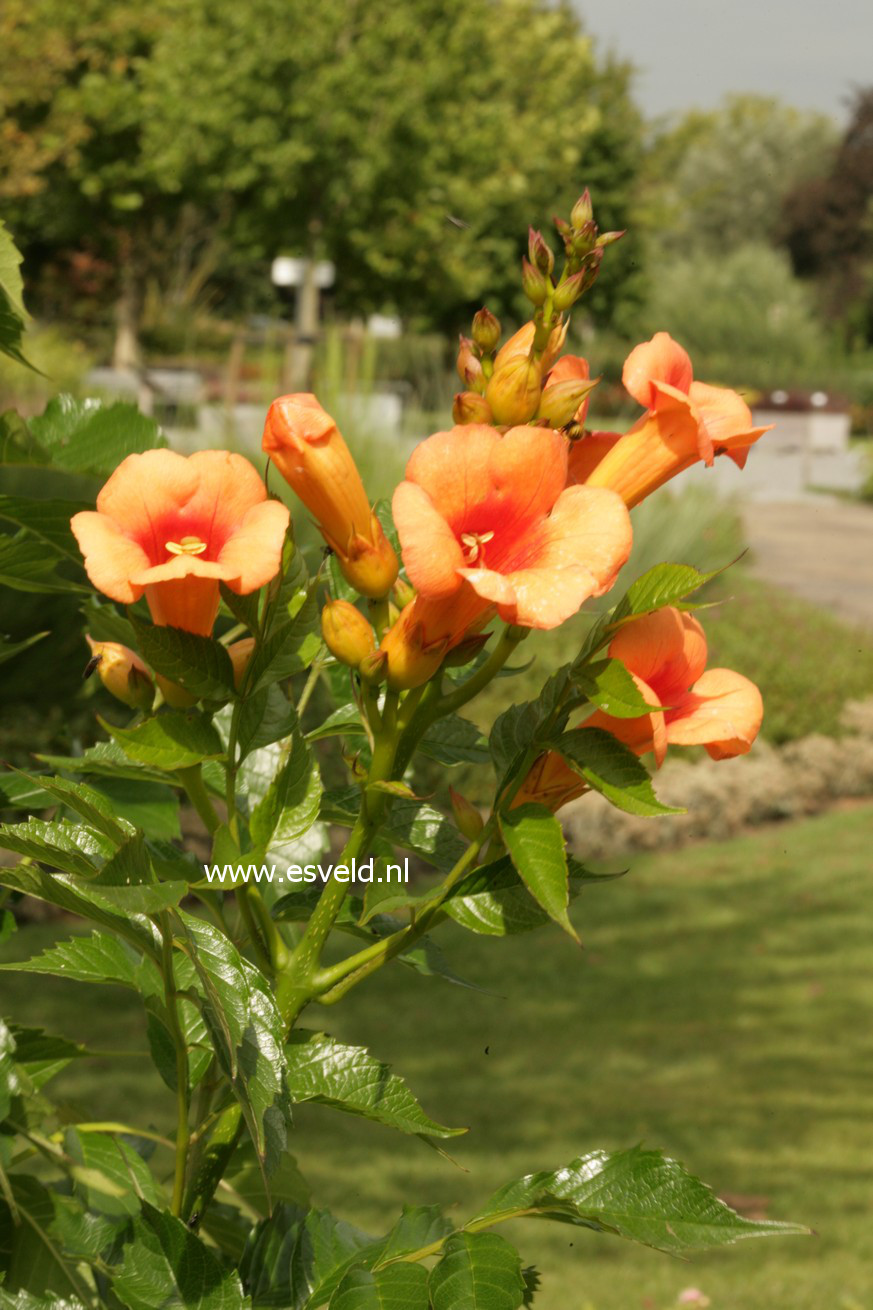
<point x="721" y="1010"/>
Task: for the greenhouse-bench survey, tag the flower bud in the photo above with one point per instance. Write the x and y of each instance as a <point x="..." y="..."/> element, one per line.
<point x="568" y="292"/>
<point x="534" y="284"/>
<point x="412" y="660"/>
<point x="240" y="653"/>
<point x="562" y="402"/>
<point x="122" y="673"/>
<point x="347" y="634"/>
<point x="583" y="210"/>
<point x="468" y="407"/>
<point x="514" y="390"/>
<point x="539" y="253"/>
<point x="468" y="363"/>
<point x="486" y="330"/>
<point x="467" y="817"/>
<point x="402" y="593"/>
<point x="308" y="449"/>
<point x="607" y="238"/>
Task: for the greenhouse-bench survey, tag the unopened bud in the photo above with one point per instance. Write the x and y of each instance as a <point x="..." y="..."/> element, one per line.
<point x="402" y="593"/>
<point x="370" y="563"/>
<point x="564" y="400"/>
<point x="468" y="363"/>
<point x="568" y="292"/>
<point x="467" y="817"/>
<point x="539" y="253"/>
<point x="583" y="210"/>
<point x="468" y="407"/>
<point x="607" y="238"/>
<point x="412" y="660"/>
<point x="347" y="634"/>
<point x="122" y="673"/>
<point x="514" y="390"/>
<point x="486" y="330"/>
<point x="374" y="667"/>
<point x="240" y="653"/>
<point x="534" y="284"/>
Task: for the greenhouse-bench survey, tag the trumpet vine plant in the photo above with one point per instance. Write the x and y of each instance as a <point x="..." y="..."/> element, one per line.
<point x="287" y="707"/>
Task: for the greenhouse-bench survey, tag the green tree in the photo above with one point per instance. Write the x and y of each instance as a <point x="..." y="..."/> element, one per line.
<point x="719" y="179"/>
<point x="409" y="142"/>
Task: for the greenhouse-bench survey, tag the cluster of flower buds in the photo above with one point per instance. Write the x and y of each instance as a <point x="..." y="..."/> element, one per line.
<point x="519" y="382"/>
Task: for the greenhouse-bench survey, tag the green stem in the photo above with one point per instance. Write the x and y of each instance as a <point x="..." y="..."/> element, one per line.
<point x="242" y="896"/>
<point x="509" y="640"/>
<point x="310" y="685"/>
<point x="182" y="1104"/>
<point x="191" y="780"/>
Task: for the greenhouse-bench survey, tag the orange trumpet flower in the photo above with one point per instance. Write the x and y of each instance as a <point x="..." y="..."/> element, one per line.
<point x="172" y="528"/>
<point x="487" y="524"/>
<point x="685" y="421"/>
<point x="305" y="444"/>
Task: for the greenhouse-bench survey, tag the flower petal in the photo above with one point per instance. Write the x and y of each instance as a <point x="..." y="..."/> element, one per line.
<point x="725" y="415"/>
<point x="661" y="445"/>
<point x="573" y="554"/>
<point x="585" y="454"/>
<point x="430" y="549"/>
<point x="666" y="649"/>
<point x="144" y="491"/>
<point x="723" y="712"/>
<point x="647" y="732"/>
<point x="252" y="555"/>
<point x="228" y="487"/>
<point x="660" y="360"/>
<point x="111" y="557"/>
<point x="454" y="468"/>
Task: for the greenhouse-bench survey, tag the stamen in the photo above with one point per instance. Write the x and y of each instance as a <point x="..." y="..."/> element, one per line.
<point x="475" y="543"/>
<point x="187" y="546"/>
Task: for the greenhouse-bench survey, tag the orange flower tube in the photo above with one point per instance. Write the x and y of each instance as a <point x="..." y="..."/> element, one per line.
<point x="172" y="528"/>
<point x="305" y="444"/>
<point x="487" y="525"/>
<point x="686" y="421"/>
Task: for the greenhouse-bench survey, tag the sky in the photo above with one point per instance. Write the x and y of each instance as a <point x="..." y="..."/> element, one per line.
<point x="691" y="53"/>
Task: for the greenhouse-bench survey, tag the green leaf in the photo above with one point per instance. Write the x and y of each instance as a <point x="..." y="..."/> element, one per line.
<point x="99" y="958"/>
<point x="535" y="842"/>
<point x="112" y="1178"/>
<point x="346" y="721"/>
<point x="266" y="717"/>
<point x="9" y="649"/>
<point x="454" y="740"/>
<point x="166" y="1265"/>
<point x="199" y="664"/>
<point x="291" y="803"/>
<point x="399" y="1287"/>
<point x="49" y="520"/>
<point x="419" y="827"/>
<point x="24" y="1300"/>
<point x="247" y="1032"/>
<point x="173" y="739"/>
<point x="243" y="608"/>
<point x="26" y="565"/>
<point x="126" y="882"/>
<point x="479" y="1271"/>
<point x="638" y="1194"/>
<point x="150" y="806"/>
<point x="293" y="638"/>
<point x="41" y="1055"/>
<point x="95" y="808"/>
<point x="13" y="315"/>
<point x="33" y="1259"/>
<point x="350" y="1078"/>
<point x="70" y="894"/>
<point x="67" y="846"/>
<point x="609" y="685"/>
<point x="105" y="623"/>
<point x="519" y="727"/>
<point x="611" y="768"/>
<point x="84" y="436"/>
<point x="105" y="760"/>
<point x="493" y="901"/>
<point x="297" y="1257"/>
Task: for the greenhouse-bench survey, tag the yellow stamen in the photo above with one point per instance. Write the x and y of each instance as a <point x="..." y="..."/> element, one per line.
<point x="187" y="546"/>
<point x="474" y="543"/>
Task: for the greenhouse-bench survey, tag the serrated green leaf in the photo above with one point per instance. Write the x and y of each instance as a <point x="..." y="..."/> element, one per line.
<point x="247" y="1032"/>
<point x="350" y="1078"/>
<point x="105" y="760"/>
<point x="519" y="727"/>
<point x="13" y="315"/>
<point x="346" y="721"/>
<point x="35" y="1261"/>
<point x="69" y="893"/>
<point x="493" y="901"/>
<point x="150" y="806"/>
<point x="609" y="686"/>
<point x="173" y="739"/>
<point x="71" y="847"/>
<point x="105" y="623"/>
<point x="91" y="805"/>
<point x="291" y="803"/>
<point x="454" y="740"/>
<point x="99" y="958"/>
<point x="243" y="608"/>
<point x="26" y="565"/>
<point x="113" y="1178"/>
<point x="48" y="520"/>
<point x="84" y="436"/>
<point x="535" y="842"/>
<point x="638" y="1194"/>
<point x="199" y="664"/>
<point x="293" y="638"/>
<point x="266" y="717"/>
<point x="399" y="1287"/>
<point x="479" y="1271"/>
<point x="297" y="1257"/>
<point x="611" y="768"/>
<point x="42" y="1055"/>
<point x="166" y="1265"/>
